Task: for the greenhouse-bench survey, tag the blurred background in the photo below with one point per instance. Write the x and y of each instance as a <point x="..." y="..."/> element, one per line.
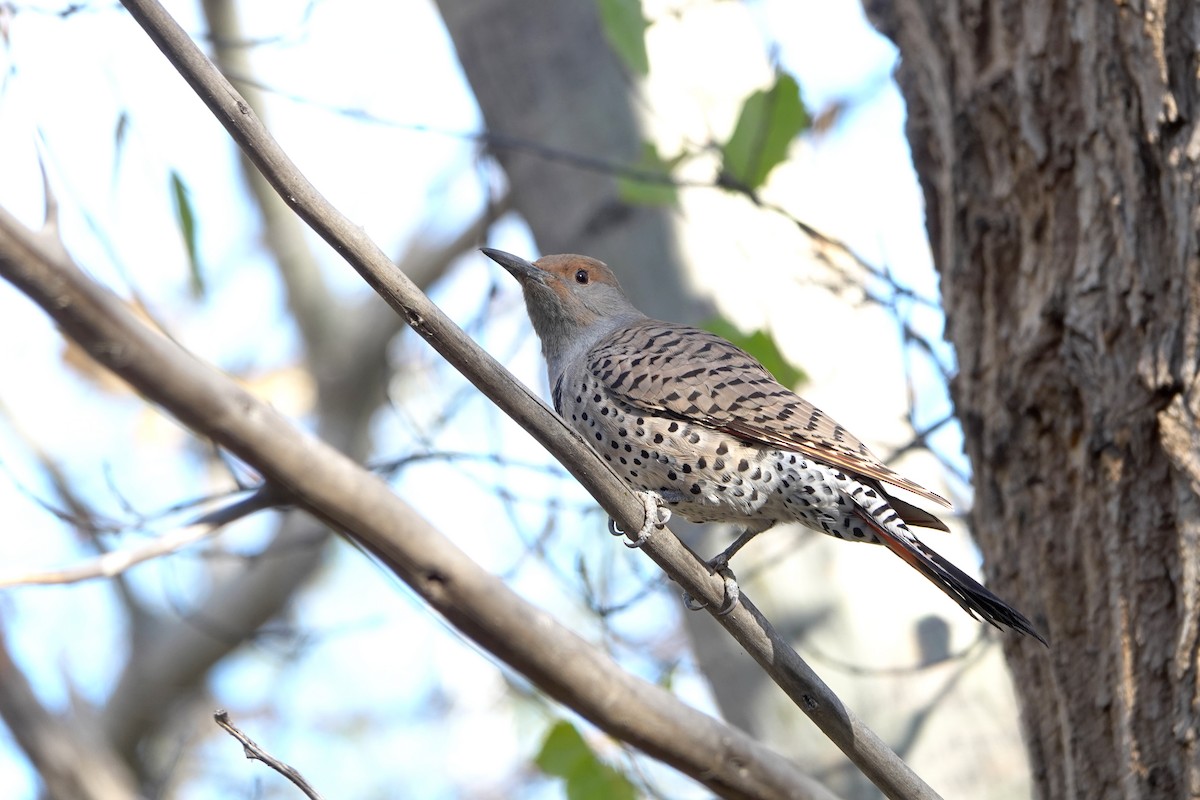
<point x="607" y="128"/>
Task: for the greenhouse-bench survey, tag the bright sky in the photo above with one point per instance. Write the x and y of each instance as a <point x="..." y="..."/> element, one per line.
<point x="67" y="83"/>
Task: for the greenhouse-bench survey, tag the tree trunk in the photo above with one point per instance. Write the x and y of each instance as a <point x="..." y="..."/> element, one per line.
<point x="554" y="94"/>
<point x="1056" y="144"/>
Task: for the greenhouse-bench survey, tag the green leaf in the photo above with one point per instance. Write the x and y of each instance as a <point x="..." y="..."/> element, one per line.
<point x="599" y="782"/>
<point x="646" y="191"/>
<point x="187" y="227"/>
<point x="563" y="751"/>
<point x="625" y="28"/>
<point x="566" y="755"/>
<point x="761" y="345"/>
<point x="768" y="123"/>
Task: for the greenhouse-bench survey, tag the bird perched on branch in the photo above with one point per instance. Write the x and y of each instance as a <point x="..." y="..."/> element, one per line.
<point x="705" y="430"/>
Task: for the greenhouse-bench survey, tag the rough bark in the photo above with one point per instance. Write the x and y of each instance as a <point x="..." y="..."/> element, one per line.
<point x="1056" y="144"/>
<point x="542" y="73"/>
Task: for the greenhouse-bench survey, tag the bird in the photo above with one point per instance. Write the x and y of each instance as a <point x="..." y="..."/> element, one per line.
<point x="703" y="428"/>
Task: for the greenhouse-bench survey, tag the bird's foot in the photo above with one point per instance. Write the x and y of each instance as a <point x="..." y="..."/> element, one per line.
<point x="657" y="516"/>
<point x="733" y="592"/>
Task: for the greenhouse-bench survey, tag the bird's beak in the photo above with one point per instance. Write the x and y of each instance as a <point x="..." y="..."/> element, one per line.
<point x="519" y="268"/>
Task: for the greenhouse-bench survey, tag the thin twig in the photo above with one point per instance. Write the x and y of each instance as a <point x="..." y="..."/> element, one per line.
<point x="116" y="562"/>
<point x="256" y="753"/>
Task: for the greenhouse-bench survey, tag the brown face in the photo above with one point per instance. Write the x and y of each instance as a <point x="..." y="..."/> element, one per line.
<point x="569" y="273"/>
<point x="566" y="294"/>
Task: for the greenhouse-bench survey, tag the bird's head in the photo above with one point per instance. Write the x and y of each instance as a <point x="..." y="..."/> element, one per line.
<point x="572" y="300"/>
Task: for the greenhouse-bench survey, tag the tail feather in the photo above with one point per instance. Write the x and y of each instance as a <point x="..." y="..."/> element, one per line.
<point x="914" y="515"/>
<point x="974" y="598"/>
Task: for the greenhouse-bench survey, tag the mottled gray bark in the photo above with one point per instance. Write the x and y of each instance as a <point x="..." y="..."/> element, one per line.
<point x="1057" y="146"/>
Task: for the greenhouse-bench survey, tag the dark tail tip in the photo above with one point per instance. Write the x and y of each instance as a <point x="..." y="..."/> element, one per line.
<point x="976" y="599"/>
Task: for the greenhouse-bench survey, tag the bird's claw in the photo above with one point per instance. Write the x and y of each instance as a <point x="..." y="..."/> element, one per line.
<point x="733" y="592"/>
<point x="657" y="516"/>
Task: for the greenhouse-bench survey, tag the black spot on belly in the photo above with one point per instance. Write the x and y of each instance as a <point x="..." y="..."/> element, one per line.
<point x="695" y="488"/>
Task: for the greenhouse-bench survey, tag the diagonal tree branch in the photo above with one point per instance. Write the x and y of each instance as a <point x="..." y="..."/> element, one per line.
<point x="347" y="497"/>
<point x="753" y="631"/>
<point x="346" y="343"/>
<point x="262" y="438"/>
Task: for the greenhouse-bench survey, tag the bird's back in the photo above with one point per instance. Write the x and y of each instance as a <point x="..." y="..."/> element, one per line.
<point x="693" y="376"/>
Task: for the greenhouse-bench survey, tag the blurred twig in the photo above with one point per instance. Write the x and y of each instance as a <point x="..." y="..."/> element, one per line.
<point x="70" y="756"/>
<point x="116" y="562"/>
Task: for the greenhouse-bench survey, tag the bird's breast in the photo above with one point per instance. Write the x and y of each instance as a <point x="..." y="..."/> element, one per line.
<point x="705" y="475"/>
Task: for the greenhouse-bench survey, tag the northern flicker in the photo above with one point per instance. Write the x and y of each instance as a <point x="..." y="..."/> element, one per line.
<point x="702" y="426"/>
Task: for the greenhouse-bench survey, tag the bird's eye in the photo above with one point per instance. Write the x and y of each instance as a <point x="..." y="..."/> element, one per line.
<point x="581" y="276"/>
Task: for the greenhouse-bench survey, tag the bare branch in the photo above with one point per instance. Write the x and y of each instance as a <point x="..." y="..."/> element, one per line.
<point x="254" y="752"/>
<point x="333" y="488"/>
<point x="116" y="562"/>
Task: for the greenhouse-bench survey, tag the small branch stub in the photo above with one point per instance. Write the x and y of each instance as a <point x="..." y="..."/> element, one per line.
<point x="256" y="753"/>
